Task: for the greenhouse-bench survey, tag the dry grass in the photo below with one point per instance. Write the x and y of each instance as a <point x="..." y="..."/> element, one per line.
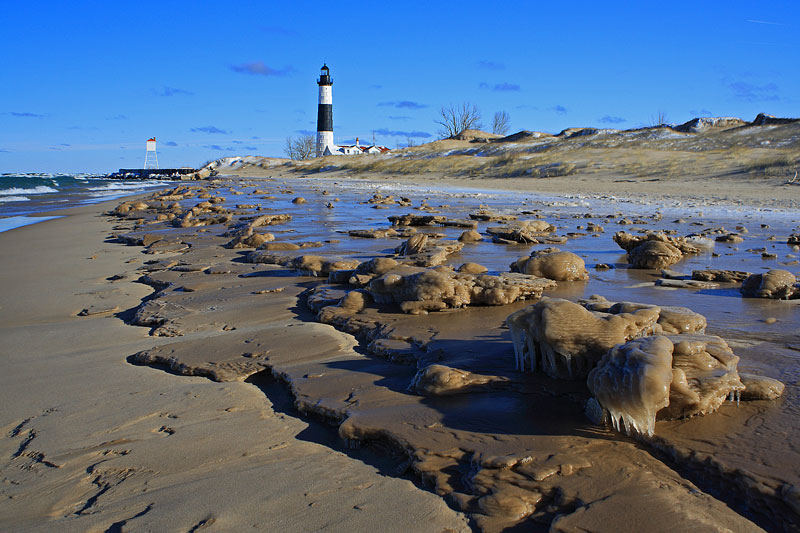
<point x="750" y="151"/>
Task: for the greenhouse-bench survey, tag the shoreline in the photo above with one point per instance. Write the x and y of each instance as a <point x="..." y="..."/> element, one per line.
<point x="203" y="350"/>
<point x="91" y="441"/>
<point x="771" y="196"/>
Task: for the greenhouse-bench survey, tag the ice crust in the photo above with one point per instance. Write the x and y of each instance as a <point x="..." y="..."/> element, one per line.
<point x="419" y="290"/>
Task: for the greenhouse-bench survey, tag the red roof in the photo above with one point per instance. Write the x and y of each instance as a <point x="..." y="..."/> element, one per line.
<point x="153" y="139"/>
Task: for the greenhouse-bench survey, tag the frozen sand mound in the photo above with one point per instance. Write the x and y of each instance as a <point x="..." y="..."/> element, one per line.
<point x="643" y="362"/>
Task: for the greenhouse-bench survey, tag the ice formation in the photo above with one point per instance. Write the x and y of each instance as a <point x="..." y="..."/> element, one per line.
<point x="420" y="251"/>
<point x="441" y="380"/>
<point x="671" y="320"/>
<point x="776" y="284"/>
<point x="306" y="265"/>
<point x="565" y="340"/>
<point x="250" y="239"/>
<point x="654" y="250"/>
<point x="664" y="377"/>
<point x="760" y="387"/>
<point x="419" y="290"/>
<point x="557" y="265"/>
<point x="723" y="276"/>
<point x="526" y="232"/>
<point x="632" y="382"/>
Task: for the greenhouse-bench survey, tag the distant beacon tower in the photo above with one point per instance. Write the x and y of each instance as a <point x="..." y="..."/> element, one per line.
<point x="325" y="112"/>
<point x="150" y="156"/>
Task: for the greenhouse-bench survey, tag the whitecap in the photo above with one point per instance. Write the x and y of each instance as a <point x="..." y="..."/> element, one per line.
<point x="41" y="189"/>
<point x="13" y="199"/>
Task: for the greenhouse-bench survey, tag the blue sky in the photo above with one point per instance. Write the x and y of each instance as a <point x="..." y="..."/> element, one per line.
<point x="84" y="84"/>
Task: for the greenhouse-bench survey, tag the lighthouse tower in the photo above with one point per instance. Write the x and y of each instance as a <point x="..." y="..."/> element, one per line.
<point x="325" y="113"/>
<point x="150" y="156"/>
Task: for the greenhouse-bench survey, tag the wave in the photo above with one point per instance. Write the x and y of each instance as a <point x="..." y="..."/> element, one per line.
<point x="126" y="186"/>
<point x="14" y="199"/>
<point x="41" y="189"/>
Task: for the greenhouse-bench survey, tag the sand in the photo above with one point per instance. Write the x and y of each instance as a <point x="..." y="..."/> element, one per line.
<point x="93" y="443"/>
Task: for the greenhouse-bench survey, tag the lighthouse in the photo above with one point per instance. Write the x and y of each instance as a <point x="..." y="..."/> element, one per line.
<point x="325" y="113"/>
<point x="150" y="155"/>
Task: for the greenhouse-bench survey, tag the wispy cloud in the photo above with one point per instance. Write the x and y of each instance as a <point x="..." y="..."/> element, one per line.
<point x="403" y="104"/>
<point x="376" y="86"/>
<point x="398" y="117"/>
<point x="560" y="109"/>
<point x="750" y="92"/>
<point x="767" y="22"/>
<point x="491" y="65"/>
<point x="701" y="113"/>
<point x="218" y="147"/>
<point x="24" y="114"/>
<point x="4" y="151"/>
<point x="505" y="86"/>
<point x="170" y="143"/>
<point x="65" y="144"/>
<point x="171" y="91"/>
<point x="118" y="117"/>
<point x="306" y="132"/>
<point x="250" y="148"/>
<point x="209" y="129"/>
<point x="398" y="133"/>
<point x="261" y="69"/>
<point x="610" y="119"/>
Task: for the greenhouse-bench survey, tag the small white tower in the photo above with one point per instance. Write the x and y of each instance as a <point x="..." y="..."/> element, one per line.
<point x="325" y="113"/>
<point x="150" y="156"/>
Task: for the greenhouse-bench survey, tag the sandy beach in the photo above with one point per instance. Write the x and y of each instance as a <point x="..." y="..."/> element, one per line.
<point x="260" y="409"/>
<point x="93" y="443"/>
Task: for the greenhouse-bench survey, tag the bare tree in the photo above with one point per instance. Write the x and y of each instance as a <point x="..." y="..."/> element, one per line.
<point x="410" y="142"/>
<point x="455" y="119"/>
<point x="500" y="123"/>
<point x="659" y="119"/>
<point x="301" y="148"/>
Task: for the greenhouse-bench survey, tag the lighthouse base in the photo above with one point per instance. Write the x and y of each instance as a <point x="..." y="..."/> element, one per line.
<point x="324" y="140"/>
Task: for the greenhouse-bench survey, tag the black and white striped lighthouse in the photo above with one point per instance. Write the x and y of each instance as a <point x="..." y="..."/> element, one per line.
<point x="325" y="113"/>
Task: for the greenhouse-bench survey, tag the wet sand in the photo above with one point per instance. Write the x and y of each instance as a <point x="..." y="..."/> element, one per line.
<point x="515" y="448"/>
<point x="91" y="442"/>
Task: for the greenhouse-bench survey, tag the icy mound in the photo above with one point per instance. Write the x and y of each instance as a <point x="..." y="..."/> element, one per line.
<point x="632" y="383"/>
<point x="654" y="250"/>
<point x="775" y="284"/>
<point x="565" y="340"/>
<point x="664" y="377"/>
<point x="419" y="291"/>
<point x="671" y="320"/>
<point x="441" y="380"/>
<point x="558" y="266"/>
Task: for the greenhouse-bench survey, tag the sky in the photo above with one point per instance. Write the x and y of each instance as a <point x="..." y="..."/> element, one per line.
<point x="84" y="84"/>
